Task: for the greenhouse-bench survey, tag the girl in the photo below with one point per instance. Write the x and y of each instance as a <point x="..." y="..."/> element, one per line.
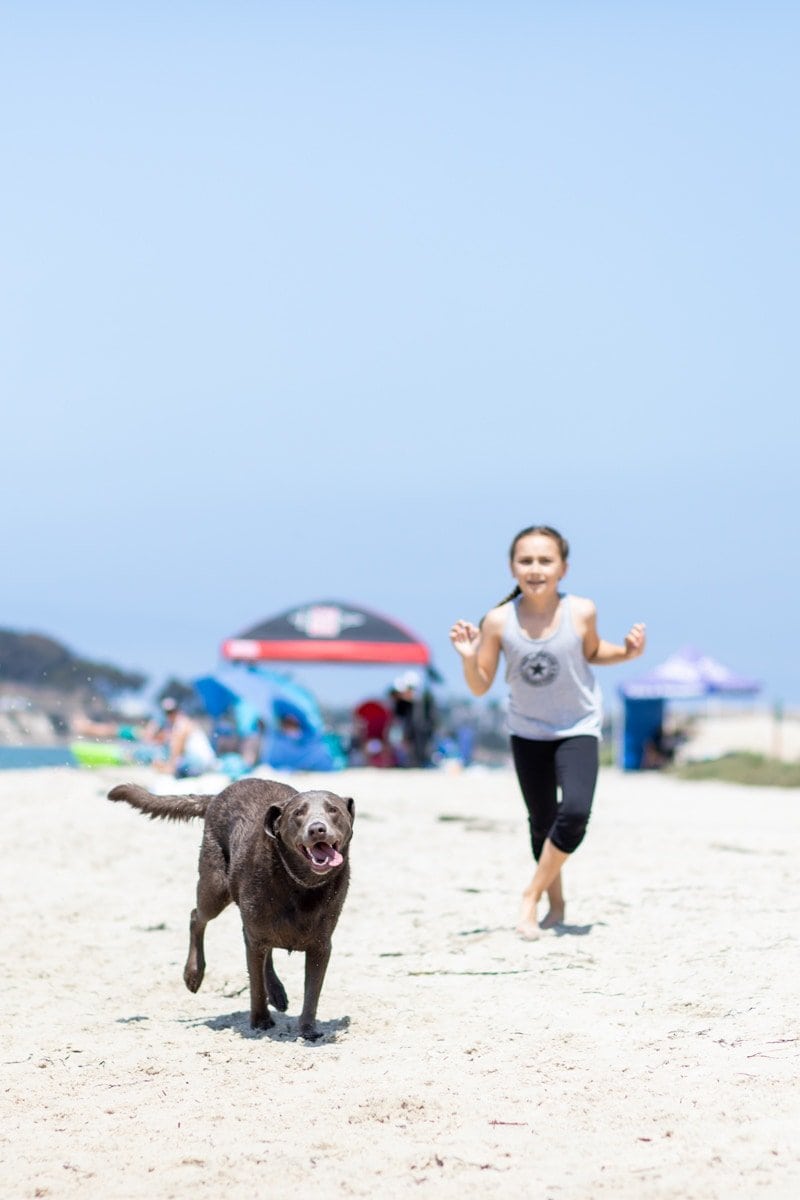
<point x="554" y="712"/>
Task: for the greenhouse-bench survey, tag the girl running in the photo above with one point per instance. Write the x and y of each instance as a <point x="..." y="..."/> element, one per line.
<point x="554" y="712"/>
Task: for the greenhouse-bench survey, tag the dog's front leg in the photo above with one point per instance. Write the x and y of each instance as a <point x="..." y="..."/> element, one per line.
<point x="316" y="965"/>
<point x="259" y="1013"/>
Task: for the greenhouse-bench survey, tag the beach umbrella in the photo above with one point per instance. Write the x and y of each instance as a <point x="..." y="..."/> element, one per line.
<point x="216" y="697"/>
<point x="327" y="631"/>
<point x="688" y="674"/>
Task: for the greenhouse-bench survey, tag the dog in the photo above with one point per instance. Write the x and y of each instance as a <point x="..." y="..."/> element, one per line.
<point x="283" y="857"/>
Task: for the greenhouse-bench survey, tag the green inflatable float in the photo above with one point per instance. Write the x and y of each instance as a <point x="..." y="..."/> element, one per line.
<point x="99" y="754"/>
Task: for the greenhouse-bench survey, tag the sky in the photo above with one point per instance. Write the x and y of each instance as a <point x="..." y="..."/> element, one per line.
<point x="328" y="300"/>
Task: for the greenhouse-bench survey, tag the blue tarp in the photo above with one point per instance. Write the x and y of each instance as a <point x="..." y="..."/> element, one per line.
<point x="247" y="694"/>
<point x="643" y="722"/>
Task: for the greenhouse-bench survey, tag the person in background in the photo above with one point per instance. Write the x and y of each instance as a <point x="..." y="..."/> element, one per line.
<point x="189" y="751"/>
<point x="253" y="740"/>
<point x="416" y="719"/>
<point x="371" y="729"/>
<point x="661" y="747"/>
<point x="143" y="744"/>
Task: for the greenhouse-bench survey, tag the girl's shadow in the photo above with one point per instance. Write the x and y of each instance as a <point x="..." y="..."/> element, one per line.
<point x="573" y="930"/>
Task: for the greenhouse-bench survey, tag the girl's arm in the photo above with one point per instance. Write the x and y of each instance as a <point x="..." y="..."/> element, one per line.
<point x="596" y="649"/>
<point x="479" y="650"/>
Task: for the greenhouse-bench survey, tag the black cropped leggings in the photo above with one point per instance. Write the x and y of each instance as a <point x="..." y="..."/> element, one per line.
<point x="569" y="764"/>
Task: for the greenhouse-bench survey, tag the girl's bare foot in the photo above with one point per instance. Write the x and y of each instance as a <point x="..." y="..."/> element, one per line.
<point x="554" y="917"/>
<point x="530" y="932"/>
<point x="555" y="895"/>
<point x="528" y="926"/>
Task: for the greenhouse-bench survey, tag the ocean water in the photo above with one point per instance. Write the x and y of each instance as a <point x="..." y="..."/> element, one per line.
<point x="22" y="758"/>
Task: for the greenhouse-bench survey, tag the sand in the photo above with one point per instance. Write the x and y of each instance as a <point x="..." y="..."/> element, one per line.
<point x="649" y="1048"/>
<point x="756" y="731"/>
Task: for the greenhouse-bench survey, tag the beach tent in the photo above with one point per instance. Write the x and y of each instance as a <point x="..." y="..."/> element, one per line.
<point x="327" y="631"/>
<point x="252" y="693"/>
<point x="688" y="674"/>
<point x="331" y="632"/>
<point x="257" y="690"/>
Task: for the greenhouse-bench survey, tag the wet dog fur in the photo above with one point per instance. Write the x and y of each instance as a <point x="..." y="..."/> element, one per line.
<point x="282" y="857"/>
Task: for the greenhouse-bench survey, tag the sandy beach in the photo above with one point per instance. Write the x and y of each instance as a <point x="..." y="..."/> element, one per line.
<point x="648" y="1048"/>
<point x="754" y="730"/>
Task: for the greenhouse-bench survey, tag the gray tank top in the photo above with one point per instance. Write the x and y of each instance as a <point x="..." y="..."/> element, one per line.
<point x="553" y="693"/>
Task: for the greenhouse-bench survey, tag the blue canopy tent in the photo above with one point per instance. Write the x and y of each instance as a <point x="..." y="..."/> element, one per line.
<point x="294" y="738"/>
<point x="689" y="674"/>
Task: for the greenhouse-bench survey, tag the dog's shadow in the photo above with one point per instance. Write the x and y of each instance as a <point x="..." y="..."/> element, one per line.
<point x="284" y="1029"/>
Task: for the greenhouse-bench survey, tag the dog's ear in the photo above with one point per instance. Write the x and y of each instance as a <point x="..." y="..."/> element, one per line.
<point x="351" y="807"/>
<point x="270" y="820"/>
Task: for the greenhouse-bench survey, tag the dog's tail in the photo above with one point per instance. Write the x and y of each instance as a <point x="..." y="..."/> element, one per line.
<point x="169" y="808"/>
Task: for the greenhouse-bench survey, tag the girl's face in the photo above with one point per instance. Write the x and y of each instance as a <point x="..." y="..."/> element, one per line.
<point x="537" y="565"/>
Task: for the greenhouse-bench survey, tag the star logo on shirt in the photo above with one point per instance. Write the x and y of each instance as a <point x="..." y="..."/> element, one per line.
<point x="539" y="669"/>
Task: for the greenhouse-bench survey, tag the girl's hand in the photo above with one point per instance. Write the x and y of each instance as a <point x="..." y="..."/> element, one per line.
<point x="465" y="638"/>
<point x="634" y="641"/>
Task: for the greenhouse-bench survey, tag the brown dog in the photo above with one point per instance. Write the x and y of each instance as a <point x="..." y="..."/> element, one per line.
<point x="282" y="856"/>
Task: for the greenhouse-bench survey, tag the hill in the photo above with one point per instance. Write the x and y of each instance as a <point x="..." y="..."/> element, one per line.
<point x="43" y="685"/>
<point x="34" y="661"/>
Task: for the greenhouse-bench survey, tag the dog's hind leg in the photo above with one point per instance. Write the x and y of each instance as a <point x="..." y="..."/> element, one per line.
<point x="212" y="897"/>
<point x="276" y="992"/>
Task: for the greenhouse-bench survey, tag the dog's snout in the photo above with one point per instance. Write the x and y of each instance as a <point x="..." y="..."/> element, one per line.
<point x="317" y="829"/>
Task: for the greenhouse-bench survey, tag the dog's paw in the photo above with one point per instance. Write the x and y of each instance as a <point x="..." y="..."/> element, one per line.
<point x="277" y="995"/>
<point x="310" y="1033"/>
<point x="193" y="977"/>
<point x="261" y="1021"/>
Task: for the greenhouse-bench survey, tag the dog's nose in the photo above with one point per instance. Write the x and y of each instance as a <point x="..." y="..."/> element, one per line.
<point x="317" y="829"/>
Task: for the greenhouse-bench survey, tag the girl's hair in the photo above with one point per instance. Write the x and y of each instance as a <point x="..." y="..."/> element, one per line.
<point x="542" y="531"/>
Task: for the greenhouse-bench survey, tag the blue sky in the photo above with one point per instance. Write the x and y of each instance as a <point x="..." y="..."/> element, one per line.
<point x="309" y="300"/>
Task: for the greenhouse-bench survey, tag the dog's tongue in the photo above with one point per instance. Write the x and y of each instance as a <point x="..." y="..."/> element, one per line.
<point x="325" y="855"/>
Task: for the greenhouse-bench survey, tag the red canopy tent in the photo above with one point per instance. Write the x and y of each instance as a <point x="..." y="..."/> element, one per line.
<point x="327" y="631"/>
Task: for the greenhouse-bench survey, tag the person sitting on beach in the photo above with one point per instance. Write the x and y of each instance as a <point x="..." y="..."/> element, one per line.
<point x="661" y="747"/>
<point x="554" y="714"/>
<point x="146" y="738"/>
<point x="252" y="747"/>
<point x="189" y="751"/>
<point x="88" y="727"/>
